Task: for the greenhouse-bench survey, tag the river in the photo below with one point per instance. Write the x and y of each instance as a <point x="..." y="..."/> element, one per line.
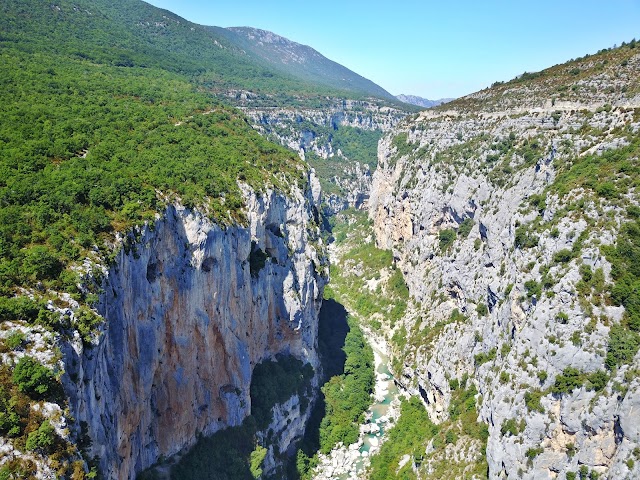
<point x="350" y="462"/>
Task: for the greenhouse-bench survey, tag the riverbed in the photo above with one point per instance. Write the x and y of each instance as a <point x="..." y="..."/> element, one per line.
<point x="350" y="462"/>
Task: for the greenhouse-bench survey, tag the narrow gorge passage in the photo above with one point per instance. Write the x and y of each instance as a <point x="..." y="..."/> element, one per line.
<point x="361" y="301"/>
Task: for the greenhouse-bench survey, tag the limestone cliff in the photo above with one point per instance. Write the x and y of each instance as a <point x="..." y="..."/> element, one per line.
<point x="494" y="206"/>
<point x="190" y="308"/>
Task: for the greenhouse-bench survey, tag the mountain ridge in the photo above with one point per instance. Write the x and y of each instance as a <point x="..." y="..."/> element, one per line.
<point x="422" y="102"/>
<point x="301" y="61"/>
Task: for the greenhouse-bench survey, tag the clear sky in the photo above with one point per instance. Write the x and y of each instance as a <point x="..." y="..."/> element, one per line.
<point x="434" y="49"/>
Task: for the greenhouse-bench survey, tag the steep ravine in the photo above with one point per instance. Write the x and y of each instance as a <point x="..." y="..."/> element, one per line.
<point x="338" y="139"/>
<point x="190" y="309"/>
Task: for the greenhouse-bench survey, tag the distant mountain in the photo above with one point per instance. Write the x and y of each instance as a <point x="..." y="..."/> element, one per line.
<point x="300" y="61"/>
<point x="422" y="102"/>
<point x="132" y="33"/>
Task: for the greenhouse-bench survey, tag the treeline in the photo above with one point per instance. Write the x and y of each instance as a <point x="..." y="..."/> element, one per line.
<point x="86" y="150"/>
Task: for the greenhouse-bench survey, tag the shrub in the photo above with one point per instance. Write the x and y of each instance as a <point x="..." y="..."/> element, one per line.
<point x="33" y="378"/>
<point x="507" y="290"/>
<point x="597" y="380"/>
<point x="465" y="228"/>
<point x="10" y="421"/>
<point x="450" y="437"/>
<point x="533" y="288"/>
<point x="485" y="357"/>
<point x="482" y="309"/>
<point x="586" y="273"/>
<point x="623" y="345"/>
<point x="532" y="400"/>
<point x="562" y="256"/>
<point x="86" y="322"/>
<point x="542" y="376"/>
<point x="19" y="308"/>
<point x="255" y="461"/>
<point x="562" y="318"/>
<point x="539" y="202"/>
<point x="40" y="263"/>
<point x="607" y="190"/>
<point x="524" y="240"/>
<point x="43" y="439"/>
<point x="512" y="427"/>
<point x="446" y="238"/>
<point x="534" y="452"/>
<point x="570" y="379"/>
<point x="15" y="339"/>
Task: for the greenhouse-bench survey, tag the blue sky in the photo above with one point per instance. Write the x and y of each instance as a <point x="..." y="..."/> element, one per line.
<point x="433" y="49"/>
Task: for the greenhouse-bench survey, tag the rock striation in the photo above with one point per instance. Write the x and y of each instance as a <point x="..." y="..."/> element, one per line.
<point x="190" y="308"/>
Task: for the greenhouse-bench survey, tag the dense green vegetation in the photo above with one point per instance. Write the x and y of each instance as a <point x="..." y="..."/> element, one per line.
<point x="99" y="134"/>
<point x="131" y="33"/>
<point x="225" y="455"/>
<point x="33" y="378"/>
<point x="356" y="144"/>
<point x="389" y="300"/>
<point x="275" y="382"/>
<point x="624" y="339"/>
<point x="29" y="383"/>
<point x="414" y="431"/>
<point x="347" y="396"/>
<point x="607" y="176"/>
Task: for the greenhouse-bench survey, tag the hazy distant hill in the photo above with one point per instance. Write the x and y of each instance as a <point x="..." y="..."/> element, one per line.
<point x="422" y="102"/>
<point x="300" y="61"/>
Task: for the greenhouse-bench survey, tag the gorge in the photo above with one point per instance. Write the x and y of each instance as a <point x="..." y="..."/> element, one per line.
<point x="226" y="256"/>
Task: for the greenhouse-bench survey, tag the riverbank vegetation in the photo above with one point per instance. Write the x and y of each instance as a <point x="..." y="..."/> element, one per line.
<point x="344" y="397"/>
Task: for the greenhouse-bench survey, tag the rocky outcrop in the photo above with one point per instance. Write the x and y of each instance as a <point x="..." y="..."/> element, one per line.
<point x="190" y="308"/>
<point x="453" y="190"/>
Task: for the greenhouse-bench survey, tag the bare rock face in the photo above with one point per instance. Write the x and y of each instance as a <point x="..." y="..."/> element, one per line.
<point x="190" y="309"/>
<point x="467" y="199"/>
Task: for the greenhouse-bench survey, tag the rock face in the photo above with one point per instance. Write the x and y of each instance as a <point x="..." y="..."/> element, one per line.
<point x="457" y="193"/>
<point x="190" y="309"/>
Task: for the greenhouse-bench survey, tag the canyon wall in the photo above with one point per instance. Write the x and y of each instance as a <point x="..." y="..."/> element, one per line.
<point x="311" y="132"/>
<point x="190" y="308"/>
<point x="489" y="212"/>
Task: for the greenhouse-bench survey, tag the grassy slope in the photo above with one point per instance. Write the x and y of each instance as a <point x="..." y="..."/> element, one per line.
<point x="314" y="68"/>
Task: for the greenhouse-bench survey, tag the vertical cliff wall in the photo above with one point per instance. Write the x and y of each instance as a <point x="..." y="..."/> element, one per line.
<point x="190" y="309"/>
